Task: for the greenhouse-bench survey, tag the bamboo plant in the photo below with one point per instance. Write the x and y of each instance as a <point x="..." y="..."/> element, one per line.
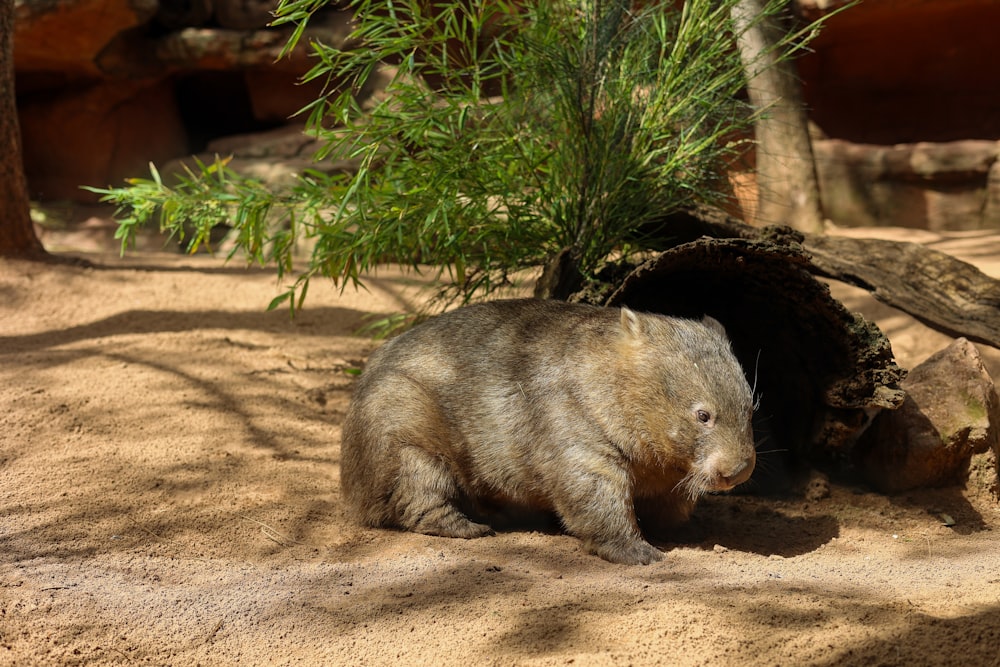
<point x="510" y="132"/>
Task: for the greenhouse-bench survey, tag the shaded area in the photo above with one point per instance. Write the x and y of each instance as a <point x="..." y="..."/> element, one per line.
<point x="202" y="438"/>
<point x="749" y="527"/>
<point x="142" y="322"/>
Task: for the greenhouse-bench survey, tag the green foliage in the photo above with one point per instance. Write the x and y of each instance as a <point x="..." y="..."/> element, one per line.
<point x="509" y="132"/>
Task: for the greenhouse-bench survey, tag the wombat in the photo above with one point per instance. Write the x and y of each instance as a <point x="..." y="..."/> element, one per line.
<point x="610" y="419"/>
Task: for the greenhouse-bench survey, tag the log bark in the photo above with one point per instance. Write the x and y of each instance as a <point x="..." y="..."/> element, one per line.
<point x="941" y="291"/>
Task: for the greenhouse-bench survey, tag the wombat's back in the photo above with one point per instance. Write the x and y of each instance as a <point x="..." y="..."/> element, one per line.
<point x="457" y="386"/>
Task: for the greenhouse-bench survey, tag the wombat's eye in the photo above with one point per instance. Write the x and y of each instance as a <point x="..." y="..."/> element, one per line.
<point x="703" y="416"/>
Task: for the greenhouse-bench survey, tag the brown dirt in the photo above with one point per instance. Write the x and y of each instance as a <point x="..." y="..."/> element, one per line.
<point x="169" y="495"/>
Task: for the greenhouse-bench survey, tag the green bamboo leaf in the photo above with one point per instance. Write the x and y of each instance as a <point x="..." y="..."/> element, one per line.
<point x="156" y="175"/>
<point x="277" y="301"/>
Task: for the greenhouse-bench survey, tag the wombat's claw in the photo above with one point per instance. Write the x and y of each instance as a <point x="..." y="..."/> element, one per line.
<point x="632" y="553"/>
<point x="451" y="524"/>
<point x="468" y="530"/>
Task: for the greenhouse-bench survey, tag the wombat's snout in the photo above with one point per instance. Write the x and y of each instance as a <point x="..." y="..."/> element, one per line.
<point x="740" y="473"/>
<point x="727" y="473"/>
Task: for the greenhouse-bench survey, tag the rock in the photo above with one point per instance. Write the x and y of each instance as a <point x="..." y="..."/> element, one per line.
<point x="984" y="475"/>
<point x="991" y="210"/>
<point x="955" y="161"/>
<point x="276" y="157"/>
<point x="848" y="176"/>
<point x="244" y="14"/>
<point x="290" y="141"/>
<point x="219" y="49"/>
<point x="935" y="83"/>
<point x="174" y="14"/>
<point x="945" y="186"/>
<point x="817" y="487"/>
<point x="936" y="78"/>
<point x="107" y="86"/>
<point x="927" y="90"/>
<point x="98" y="136"/>
<point x="950" y="413"/>
<point x="66" y="36"/>
<point x="276" y="97"/>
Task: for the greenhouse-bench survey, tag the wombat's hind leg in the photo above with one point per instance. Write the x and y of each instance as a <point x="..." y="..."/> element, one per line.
<point x="425" y="497"/>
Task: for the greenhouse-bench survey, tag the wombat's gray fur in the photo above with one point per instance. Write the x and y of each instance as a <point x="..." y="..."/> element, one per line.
<point x="596" y="414"/>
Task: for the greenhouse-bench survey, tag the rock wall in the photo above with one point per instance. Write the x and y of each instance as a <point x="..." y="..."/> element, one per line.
<point x="905" y="97"/>
<point x="904" y="71"/>
<point x="106" y="86"/>
<point x="952" y="185"/>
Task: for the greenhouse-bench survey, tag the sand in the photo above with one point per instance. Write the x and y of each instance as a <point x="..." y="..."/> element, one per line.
<point x="169" y="496"/>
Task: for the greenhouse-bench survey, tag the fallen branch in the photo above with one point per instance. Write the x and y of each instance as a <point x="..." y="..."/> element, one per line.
<point x="937" y="289"/>
<point x="941" y="291"/>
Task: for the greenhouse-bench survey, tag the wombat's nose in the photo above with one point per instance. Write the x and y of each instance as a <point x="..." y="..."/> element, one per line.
<point x="739" y="473"/>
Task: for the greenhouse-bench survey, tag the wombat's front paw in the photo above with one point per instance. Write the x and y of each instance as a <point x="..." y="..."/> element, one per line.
<point x="450" y="523"/>
<point x="467" y="529"/>
<point x="636" y="552"/>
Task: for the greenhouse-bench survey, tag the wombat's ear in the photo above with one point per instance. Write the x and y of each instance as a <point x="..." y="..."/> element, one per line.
<point x="631" y="324"/>
<point x="714" y="324"/>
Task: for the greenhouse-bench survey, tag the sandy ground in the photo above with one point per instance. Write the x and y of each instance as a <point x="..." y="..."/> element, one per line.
<point x="169" y="496"/>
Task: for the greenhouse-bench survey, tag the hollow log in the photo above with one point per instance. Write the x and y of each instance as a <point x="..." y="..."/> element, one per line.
<point x="820" y="373"/>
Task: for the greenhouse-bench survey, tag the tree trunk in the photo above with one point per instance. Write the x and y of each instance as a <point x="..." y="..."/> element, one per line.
<point x="788" y="190"/>
<point x="17" y="234"/>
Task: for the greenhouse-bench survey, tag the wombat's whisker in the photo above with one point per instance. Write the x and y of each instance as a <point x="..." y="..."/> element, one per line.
<point x="694" y="484"/>
<point x="753" y="389"/>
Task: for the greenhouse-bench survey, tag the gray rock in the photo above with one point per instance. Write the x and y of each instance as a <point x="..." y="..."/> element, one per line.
<point x="936" y="186"/>
<point x="950" y="413"/>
